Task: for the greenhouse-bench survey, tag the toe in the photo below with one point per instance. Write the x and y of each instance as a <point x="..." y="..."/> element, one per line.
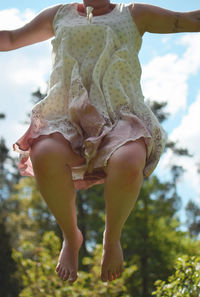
<point x="104" y="276"/>
<point x="121" y="269"/>
<point x="60" y="272"/>
<point x="118" y="272"/>
<point x="58" y="267"/>
<point x="66" y="276"/>
<point x="72" y="276"/>
<point x="63" y="273"/>
<point x="114" y="275"/>
<point x="110" y="276"/>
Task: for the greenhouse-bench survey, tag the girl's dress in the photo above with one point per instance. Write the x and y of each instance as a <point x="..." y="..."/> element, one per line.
<point x="94" y="96"/>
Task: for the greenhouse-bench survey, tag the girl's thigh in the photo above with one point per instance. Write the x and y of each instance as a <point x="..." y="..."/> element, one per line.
<point x="56" y="143"/>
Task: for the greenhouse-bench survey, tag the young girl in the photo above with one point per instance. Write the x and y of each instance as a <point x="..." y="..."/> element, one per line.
<point x="93" y="126"/>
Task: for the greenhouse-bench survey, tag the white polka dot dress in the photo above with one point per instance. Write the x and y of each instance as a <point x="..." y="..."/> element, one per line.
<point x="94" y="98"/>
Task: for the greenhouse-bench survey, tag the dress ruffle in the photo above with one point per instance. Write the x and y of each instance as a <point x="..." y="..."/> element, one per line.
<point x="96" y="140"/>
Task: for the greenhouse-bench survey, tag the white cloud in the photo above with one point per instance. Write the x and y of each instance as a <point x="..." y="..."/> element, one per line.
<point x="24" y="70"/>
<point x="191" y="57"/>
<point x="13" y="18"/>
<point x="166" y="39"/>
<point x="165" y="78"/>
<point x="188" y="132"/>
<point x="162" y="81"/>
<point x="187" y="135"/>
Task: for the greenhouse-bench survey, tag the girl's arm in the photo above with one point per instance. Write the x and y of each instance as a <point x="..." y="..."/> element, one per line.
<point x="154" y="19"/>
<point x="39" y="29"/>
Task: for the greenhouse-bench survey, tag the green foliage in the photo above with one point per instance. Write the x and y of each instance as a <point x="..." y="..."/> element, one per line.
<point x="7" y="177"/>
<point x="41" y="280"/>
<point x="193" y="218"/>
<point x="185" y="282"/>
<point x="91" y="214"/>
<point x="28" y="215"/>
<point x="151" y="237"/>
<point x="10" y="286"/>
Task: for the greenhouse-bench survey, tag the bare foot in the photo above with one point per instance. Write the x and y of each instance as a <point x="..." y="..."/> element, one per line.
<point x="112" y="261"/>
<point x="68" y="260"/>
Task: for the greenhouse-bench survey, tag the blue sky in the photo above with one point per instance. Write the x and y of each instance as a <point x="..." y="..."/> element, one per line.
<point x="38" y="5"/>
<point x="171" y="72"/>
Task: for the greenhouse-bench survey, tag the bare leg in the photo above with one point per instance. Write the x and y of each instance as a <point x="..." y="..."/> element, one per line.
<point x="54" y="179"/>
<point x="121" y="189"/>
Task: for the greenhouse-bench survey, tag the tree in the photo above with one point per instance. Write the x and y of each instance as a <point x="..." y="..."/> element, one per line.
<point x="193" y="218"/>
<point x="185" y="281"/>
<point x="151" y="237"/>
<point x="7" y="177"/>
<point x="154" y="215"/>
<point x="10" y="286"/>
<point x="37" y="268"/>
<point x="29" y="215"/>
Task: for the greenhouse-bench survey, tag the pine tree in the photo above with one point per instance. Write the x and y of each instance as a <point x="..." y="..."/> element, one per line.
<point x="10" y="285"/>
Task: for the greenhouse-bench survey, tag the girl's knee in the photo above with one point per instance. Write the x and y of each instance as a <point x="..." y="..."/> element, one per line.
<point x="48" y="149"/>
<point x="129" y="160"/>
<point x="45" y="150"/>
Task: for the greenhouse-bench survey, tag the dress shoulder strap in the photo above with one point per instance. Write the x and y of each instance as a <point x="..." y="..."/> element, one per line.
<point x="62" y="11"/>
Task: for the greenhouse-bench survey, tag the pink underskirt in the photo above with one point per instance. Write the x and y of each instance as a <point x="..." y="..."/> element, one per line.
<point x="99" y="147"/>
